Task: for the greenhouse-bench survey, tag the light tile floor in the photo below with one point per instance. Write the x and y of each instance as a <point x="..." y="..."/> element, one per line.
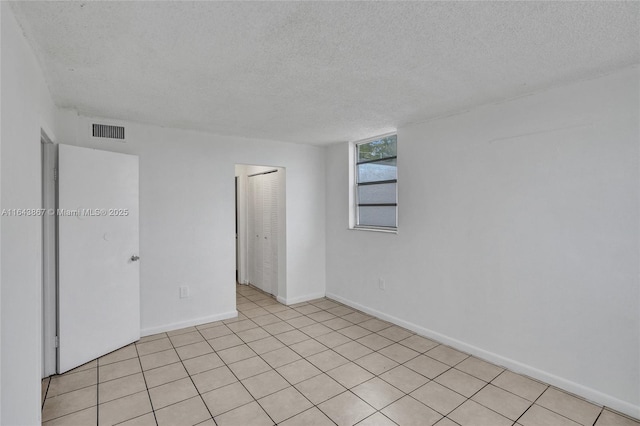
<point x="315" y="363"/>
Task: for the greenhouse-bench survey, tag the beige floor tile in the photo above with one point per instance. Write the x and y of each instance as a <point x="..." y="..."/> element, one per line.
<point x="327" y="360"/>
<point x="326" y="304"/>
<point x="311" y="417"/>
<point x="70" y="382"/>
<point x="226" y="398"/>
<point x="298" y="371"/>
<point x="473" y="414"/>
<point x="69" y="402"/>
<point x="45" y="386"/>
<point x="357" y="317"/>
<point x="408" y="411"/>
<point x="186" y="413"/>
<point x="280" y="357"/>
<point x="276" y="308"/>
<point x="159" y="359"/>
<point x="235" y="354"/>
<point x="418" y="343"/>
<point x="307" y="309"/>
<point x="202" y="363"/>
<point x="265" y="345"/>
<point x="255" y="312"/>
<point x="193" y="350"/>
<point x="172" y="392"/>
<point x="395" y="333"/>
<point x="352" y="350"/>
<point x="118" y="388"/>
<point x="399" y="353"/>
<point x="346" y="409"/>
<point x="315" y="330"/>
<point x="354" y="332"/>
<point x="249" y="414"/>
<point x="460" y="382"/>
<point x="436" y="396"/>
<point x="481" y="369"/>
<point x="151" y="338"/>
<point x="88" y="416"/>
<point x="350" y="375"/>
<point x="224" y="342"/>
<point x="320" y="388"/>
<point x="426" y="366"/>
<point x="119" y="410"/>
<point x="301" y="321"/>
<point x="265" y="319"/>
<point x="217" y="331"/>
<point x="501" y="401"/>
<point x="539" y="416"/>
<point x="321" y="316"/>
<point x="186" y="339"/>
<point x="184" y="330"/>
<point x="168" y="373"/>
<point x="404" y="379"/>
<point x="291" y="337"/>
<point x="377" y="419"/>
<point x="376" y="363"/>
<point x="609" y="418"/>
<point x="520" y="385"/>
<point x="249" y="367"/>
<point x="375" y="325"/>
<point x="85" y="366"/>
<point x="377" y="393"/>
<point x="308" y="347"/>
<point x="246" y="306"/>
<point x="265" y="384"/>
<point x="572" y="407"/>
<point x="242" y="325"/>
<point x="252" y="334"/>
<point x="447" y="355"/>
<point x="148" y="419"/>
<point x="337" y="324"/>
<point x="121" y="354"/>
<point x="119" y="369"/>
<point x="209" y="325"/>
<point x="278" y="328"/>
<point x="153" y="346"/>
<point x="340" y="311"/>
<point x="375" y="341"/>
<point x="213" y="379"/>
<point x="284" y="404"/>
<point x="288" y="314"/>
<point x="446" y="422"/>
<point x="333" y="339"/>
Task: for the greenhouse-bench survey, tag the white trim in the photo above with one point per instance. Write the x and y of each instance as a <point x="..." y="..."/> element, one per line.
<point x="300" y="299"/>
<point x="182" y="324"/>
<point x="588" y="393"/>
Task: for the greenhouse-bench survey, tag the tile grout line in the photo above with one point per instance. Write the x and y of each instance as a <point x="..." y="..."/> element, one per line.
<point x="155" y="419"/>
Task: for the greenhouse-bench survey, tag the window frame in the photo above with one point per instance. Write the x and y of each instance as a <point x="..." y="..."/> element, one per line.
<point x="354" y="185"/>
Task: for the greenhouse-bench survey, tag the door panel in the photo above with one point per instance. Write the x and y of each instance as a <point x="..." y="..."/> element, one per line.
<point x="98" y="287"/>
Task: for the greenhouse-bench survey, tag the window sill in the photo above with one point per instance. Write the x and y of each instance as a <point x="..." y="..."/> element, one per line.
<point x="372" y="229"/>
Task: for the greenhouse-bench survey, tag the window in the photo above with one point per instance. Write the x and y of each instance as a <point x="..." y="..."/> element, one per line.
<point x="376" y="183"/>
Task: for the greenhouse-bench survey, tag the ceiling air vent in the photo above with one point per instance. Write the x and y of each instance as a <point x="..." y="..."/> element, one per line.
<point x="107" y="131"/>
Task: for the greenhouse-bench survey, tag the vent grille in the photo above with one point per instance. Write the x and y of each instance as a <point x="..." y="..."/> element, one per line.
<point x="107" y="131"/>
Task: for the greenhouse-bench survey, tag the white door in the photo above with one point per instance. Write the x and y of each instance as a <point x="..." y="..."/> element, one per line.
<point x="99" y="275"/>
<point x="270" y="232"/>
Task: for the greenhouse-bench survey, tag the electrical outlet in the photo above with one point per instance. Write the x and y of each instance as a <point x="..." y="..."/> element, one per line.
<point x="381" y="284"/>
<point x="184" y="291"/>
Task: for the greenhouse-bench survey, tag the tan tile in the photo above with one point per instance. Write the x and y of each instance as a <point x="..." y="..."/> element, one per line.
<point x="301" y="321"/>
<point x="308" y="347"/>
<point x="376" y="363"/>
<point x="539" y="416"/>
<point x="311" y="417"/>
<point x="375" y="341"/>
<point x="202" y="363"/>
<point x="609" y="418"/>
<point x="240" y="317"/>
<point x="333" y="339"/>
<point x="447" y="355"/>
<point x="377" y="419"/>
<point x="256" y="312"/>
<point x="320" y="388"/>
<point x="209" y="325"/>
<point x="520" y="385"/>
<point x="352" y="350"/>
<point x="321" y="316"/>
<point x="327" y="360"/>
<point x="307" y="309"/>
<point x="574" y="408"/>
<point x="249" y="414"/>
<point x="315" y="330"/>
<point x="354" y="332"/>
<point x="375" y="325"/>
<point x="159" y="359"/>
<point x="346" y="409"/>
<point x="226" y="398"/>
<point x="481" y="369"/>
<point x="242" y="325"/>
<point x="278" y="327"/>
<point x="217" y="331"/>
<point x="436" y="396"/>
<point x="395" y="333"/>
<point x="460" y="382"/>
<point x="193" y="350"/>
<point x="172" y="392"/>
<point x="253" y="334"/>
<point x="298" y="371"/>
<point x="404" y="379"/>
<point x="213" y="379"/>
<point x="288" y="314"/>
<point x="418" y="343"/>
<point x="151" y="338"/>
<point x="181" y="331"/>
<point x="326" y="304"/>
<point x="280" y="357"/>
<point x="471" y="413"/>
<point x="284" y="404"/>
<point x="224" y="342"/>
<point x="337" y="324"/>
<point x="266" y="345"/>
<point x="265" y="319"/>
<point x="153" y="346"/>
<point x="186" y="339"/>
<point x="118" y="388"/>
<point x="235" y="354"/>
<point x="69" y="402"/>
<point x="119" y="410"/>
<point x="502" y="402"/>
<point x="399" y="353"/>
<point x="161" y="375"/>
<point x="408" y="411"/>
<point x="45" y="386"/>
<point x="249" y="367"/>
<point x="340" y="311"/>
<point x="377" y="393"/>
<point x="185" y="413"/>
<point x="291" y="337"/>
<point x="275" y="308"/>
<point x="426" y="366"/>
<point x="247" y="306"/>
<point x="446" y="422"/>
<point x="70" y="382"/>
<point x="121" y="354"/>
<point x="119" y="369"/>
<point x="265" y="384"/>
<point x="357" y="317"/>
<point x="350" y="375"/>
<point x="88" y="416"/>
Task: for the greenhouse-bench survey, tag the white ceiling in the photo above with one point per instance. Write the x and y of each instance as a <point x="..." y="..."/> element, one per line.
<point x="316" y="72"/>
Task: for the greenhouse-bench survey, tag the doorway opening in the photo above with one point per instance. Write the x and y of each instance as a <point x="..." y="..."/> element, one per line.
<point x="260" y="228"/>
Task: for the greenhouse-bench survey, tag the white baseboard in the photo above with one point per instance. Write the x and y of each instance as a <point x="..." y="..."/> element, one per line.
<point x="299" y="299"/>
<point x="513" y="365"/>
<point x="182" y="324"/>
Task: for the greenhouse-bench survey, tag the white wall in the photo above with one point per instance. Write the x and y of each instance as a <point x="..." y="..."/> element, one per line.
<point x="518" y="236"/>
<point x="187" y="234"/>
<point x="26" y="107"/>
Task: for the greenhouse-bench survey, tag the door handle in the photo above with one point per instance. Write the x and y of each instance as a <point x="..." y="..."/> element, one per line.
<point x="134" y="258"/>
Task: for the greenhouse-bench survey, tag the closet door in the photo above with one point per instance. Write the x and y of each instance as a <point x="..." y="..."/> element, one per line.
<point x="251" y="232"/>
<point x="270" y="232"/>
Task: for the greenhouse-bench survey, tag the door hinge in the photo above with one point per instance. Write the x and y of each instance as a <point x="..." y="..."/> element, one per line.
<point x="57" y="341"/>
<point x="55" y="173"/>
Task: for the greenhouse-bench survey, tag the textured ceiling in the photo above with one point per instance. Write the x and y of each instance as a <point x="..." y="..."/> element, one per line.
<point x="316" y="72"/>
